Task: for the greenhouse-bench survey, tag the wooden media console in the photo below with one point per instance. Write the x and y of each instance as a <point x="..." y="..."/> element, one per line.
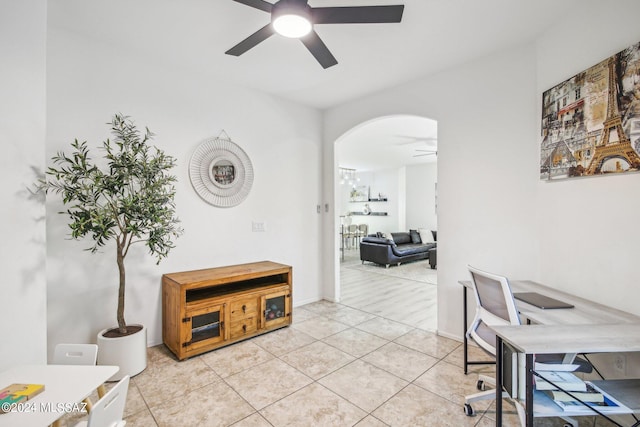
<point x="206" y="309"/>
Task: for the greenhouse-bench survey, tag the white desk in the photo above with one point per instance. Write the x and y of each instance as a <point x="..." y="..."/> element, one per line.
<point x="588" y="327"/>
<point x="63" y="384"/>
<point x="585" y="312"/>
<point x="546" y="339"/>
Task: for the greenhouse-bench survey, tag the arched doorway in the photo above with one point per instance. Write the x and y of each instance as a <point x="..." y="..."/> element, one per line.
<point x="385" y="180"/>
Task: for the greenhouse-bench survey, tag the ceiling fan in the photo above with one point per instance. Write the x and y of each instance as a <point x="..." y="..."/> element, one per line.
<point x="427" y="140"/>
<point x="426" y="153"/>
<point x="295" y="19"/>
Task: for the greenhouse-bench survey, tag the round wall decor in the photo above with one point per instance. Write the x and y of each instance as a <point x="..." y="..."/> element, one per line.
<point x="221" y="172"/>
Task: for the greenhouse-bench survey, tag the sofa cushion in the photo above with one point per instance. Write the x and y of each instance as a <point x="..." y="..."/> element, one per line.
<point x="378" y="240"/>
<point x="411" y="249"/>
<point x="415" y="236"/>
<point x="426" y="235"/>
<point x="401" y="238"/>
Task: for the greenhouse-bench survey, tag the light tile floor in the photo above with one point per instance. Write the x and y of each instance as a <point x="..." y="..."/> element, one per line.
<point x="335" y="366"/>
<point x="372" y="361"/>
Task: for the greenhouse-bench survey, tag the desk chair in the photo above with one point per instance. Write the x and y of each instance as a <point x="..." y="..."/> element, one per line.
<point x="109" y="410"/>
<point x="495" y="306"/>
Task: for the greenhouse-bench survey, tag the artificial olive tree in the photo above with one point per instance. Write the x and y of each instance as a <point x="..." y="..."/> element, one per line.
<point x="130" y="199"/>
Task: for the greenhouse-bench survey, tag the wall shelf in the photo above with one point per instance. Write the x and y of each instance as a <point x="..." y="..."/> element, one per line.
<point x="369" y="214"/>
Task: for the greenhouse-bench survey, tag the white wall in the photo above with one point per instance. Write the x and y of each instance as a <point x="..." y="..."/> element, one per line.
<point x="89" y="81"/>
<point x="22" y="135"/>
<point x="421" y="196"/>
<point x="384" y="181"/>
<point x="410" y="193"/>
<point x="493" y="212"/>
<point x="588" y="227"/>
<point x="487" y="166"/>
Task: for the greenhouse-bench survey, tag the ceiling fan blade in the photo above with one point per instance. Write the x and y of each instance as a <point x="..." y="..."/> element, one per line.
<point x="357" y="14"/>
<point x="425" y="154"/>
<point x="259" y="36"/>
<point x="257" y="4"/>
<point x="318" y="49"/>
<point x="415" y="139"/>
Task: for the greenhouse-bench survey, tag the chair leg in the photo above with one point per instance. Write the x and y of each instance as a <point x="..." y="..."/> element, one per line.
<point x="88" y="404"/>
<point x="101" y="391"/>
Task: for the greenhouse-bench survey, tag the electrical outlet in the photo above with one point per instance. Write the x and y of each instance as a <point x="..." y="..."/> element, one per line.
<point x="620" y="363"/>
<point x="258" y="227"/>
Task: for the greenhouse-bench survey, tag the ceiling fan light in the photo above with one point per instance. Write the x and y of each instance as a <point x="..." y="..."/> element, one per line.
<point x="292" y="26"/>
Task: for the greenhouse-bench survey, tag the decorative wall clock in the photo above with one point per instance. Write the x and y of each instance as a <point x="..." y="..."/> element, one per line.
<point x="221" y="172"/>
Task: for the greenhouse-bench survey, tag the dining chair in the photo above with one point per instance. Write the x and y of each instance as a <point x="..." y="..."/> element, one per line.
<point x="109" y="410"/>
<point x="77" y="354"/>
<point x="363" y="231"/>
<point x="495" y="306"/>
<point x="352" y="230"/>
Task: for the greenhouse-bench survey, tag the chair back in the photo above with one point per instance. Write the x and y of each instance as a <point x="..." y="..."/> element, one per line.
<point x="75" y="354"/>
<point x="494" y="306"/>
<point x="109" y="410"/>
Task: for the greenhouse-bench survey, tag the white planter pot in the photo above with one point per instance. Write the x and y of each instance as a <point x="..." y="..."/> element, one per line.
<point x="128" y="352"/>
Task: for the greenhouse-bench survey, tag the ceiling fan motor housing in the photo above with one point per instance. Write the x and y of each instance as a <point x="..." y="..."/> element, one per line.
<point x="291" y="7"/>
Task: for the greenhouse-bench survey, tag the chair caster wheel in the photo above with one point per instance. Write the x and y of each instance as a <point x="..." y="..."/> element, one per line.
<point x="468" y="410"/>
<point x="480" y="385"/>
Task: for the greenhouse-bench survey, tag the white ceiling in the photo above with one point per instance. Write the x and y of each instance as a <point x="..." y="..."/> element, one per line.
<point x="434" y="35"/>
<point x="388" y="142"/>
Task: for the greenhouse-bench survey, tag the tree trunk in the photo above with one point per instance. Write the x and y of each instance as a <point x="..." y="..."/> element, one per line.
<point x="122" y="326"/>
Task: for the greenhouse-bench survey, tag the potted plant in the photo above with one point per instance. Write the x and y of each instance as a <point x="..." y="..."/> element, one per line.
<point x="129" y="200"/>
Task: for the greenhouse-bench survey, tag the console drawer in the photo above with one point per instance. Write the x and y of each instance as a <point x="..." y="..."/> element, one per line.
<point x="243" y="308"/>
<point x="246" y="326"/>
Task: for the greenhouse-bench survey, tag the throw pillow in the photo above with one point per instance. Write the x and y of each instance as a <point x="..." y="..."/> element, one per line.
<point x="415" y="236"/>
<point x="388" y="236"/>
<point x="426" y="235"/>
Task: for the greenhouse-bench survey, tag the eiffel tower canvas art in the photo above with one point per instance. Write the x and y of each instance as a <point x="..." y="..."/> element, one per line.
<point x="591" y="122"/>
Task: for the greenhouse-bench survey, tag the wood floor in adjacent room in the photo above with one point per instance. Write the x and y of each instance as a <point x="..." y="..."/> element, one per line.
<point x="405" y="293"/>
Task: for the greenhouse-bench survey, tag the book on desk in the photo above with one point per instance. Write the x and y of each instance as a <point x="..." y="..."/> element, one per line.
<point x="594" y="397"/>
<point x="573" y="394"/>
<point x="568" y="391"/>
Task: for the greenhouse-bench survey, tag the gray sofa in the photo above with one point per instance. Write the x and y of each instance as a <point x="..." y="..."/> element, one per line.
<point x="403" y="247"/>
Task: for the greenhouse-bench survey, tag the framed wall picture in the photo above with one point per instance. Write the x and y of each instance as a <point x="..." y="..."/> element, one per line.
<point x="591" y="122"/>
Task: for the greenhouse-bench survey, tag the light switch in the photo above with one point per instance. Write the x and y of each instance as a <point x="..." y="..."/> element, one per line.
<point x="257" y="226"/>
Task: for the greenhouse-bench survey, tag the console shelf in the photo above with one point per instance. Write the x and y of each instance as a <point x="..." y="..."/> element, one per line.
<point x="206" y="309"/>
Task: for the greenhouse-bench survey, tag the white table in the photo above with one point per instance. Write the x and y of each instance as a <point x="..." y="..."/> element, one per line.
<point x="64" y="386"/>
